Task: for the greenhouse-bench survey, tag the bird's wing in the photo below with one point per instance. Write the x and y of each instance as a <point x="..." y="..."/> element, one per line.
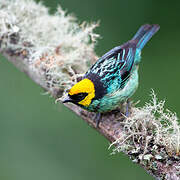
<point x="128" y="57"/>
<point x="118" y="64"/>
<point x="113" y="69"/>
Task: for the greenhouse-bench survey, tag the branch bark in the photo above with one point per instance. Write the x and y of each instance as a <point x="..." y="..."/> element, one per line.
<point x="17" y="46"/>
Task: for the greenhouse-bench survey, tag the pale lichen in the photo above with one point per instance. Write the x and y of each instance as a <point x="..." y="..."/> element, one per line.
<point x="61" y="47"/>
<point x="147" y="125"/>
<point x="150" y="134"/>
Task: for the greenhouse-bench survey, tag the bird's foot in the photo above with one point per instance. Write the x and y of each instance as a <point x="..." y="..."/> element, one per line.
<point x="97" y="119"/>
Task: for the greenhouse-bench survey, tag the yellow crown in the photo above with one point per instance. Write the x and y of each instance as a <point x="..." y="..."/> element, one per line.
<point x="84" y="86"/>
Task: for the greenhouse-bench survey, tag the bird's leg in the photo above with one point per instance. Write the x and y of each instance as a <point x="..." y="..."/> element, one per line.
<point x="127" y="108"/>
<point x="97" y="118"/>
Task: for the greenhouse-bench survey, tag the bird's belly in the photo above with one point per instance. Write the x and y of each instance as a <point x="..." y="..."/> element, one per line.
<point x="112" y="100"/>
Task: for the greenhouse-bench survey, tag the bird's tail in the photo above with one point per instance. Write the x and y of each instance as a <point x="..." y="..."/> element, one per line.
<point x="144" y="34"/>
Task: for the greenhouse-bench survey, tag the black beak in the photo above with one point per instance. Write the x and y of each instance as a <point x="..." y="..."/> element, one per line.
<point x="67" y="99"/>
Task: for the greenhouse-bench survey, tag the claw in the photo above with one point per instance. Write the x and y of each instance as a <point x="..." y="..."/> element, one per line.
<point x="97" y="118"/>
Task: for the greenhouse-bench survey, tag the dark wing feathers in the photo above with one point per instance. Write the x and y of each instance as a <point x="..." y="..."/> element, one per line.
<point x="125" y="55"/>
<point x="117" y="63"/>
<point x="130" y="50"/>
<point x="113" y="52"/>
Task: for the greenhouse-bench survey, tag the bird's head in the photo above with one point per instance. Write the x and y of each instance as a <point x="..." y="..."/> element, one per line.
<point x="81" y="93"/>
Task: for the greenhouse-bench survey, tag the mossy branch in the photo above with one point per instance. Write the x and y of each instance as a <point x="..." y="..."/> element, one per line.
<point x="54" y="50"/>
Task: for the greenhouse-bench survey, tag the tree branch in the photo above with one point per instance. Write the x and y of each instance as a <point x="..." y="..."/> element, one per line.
<point x="53" y="50"/>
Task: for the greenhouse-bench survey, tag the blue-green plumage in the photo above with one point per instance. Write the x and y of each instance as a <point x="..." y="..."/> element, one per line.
<point x="114" y="76"/>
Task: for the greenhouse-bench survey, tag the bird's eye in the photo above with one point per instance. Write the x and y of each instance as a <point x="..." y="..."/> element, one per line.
<point x="78" y="97"/>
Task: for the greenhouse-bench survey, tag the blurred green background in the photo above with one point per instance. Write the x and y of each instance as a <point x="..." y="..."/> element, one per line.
<point x="41" y="140"/>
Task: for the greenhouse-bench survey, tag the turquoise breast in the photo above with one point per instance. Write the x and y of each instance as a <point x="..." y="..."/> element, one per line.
<point x="112" y="100"/>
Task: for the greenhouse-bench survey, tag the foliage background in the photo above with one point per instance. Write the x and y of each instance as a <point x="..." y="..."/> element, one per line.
<point x="41" y="140"/>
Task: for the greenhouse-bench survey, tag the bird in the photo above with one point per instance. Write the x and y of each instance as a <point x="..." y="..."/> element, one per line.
<point x="113" y="78"/>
